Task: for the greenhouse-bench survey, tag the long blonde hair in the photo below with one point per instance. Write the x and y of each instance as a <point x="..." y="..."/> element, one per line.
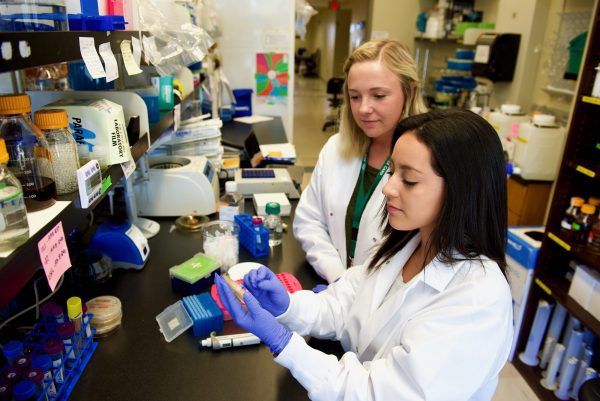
<point x="396" y="57"/>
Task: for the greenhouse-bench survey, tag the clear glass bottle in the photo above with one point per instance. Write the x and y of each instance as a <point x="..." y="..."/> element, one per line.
<point x="566" y="224"/>
<point x="273" y="223"/>
<point x="54" y="123"/>
<point x="29" y="157"/>
<point x="14" y="229"/>
<point x="583" y="224"/>
<point x="231" y="203"/>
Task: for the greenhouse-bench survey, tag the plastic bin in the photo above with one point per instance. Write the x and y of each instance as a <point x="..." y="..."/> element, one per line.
<point x="243" y="102"/>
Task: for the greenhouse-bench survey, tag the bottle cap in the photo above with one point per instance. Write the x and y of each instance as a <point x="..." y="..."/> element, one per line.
<point x="3" y="152"/>
<point x="22" y="361"/>
<point x="577" y="201"/>
<point x="230" y="187"/>
<point x="65" y="330"/>
<point x="74" y="307"/>
<point x="42" y="361"/>
<point x="588" y="209"/>
<point x="53" y="346"/>
<point x="15" y="104"/>
<point x="256" y="221"/>
<point x="51" y="119"/>
<point x="5" y="391"/>
<point x="11" y="375"/>
<point x="36" y="375"/>
<point x="272" y="208"/>
<point x="24" y="390"/>
<point x="12" y="349"/>
<point x="594" y="201"/>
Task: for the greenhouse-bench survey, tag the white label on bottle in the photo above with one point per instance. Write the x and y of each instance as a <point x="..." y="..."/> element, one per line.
<point x="110" y="62"/>
<point x="91" y="58"/>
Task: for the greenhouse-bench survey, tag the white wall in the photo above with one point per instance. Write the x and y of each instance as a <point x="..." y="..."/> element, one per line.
<point x="257" y="26"/>
<point x="396" y="17"/>
<point x="527" y="18"/>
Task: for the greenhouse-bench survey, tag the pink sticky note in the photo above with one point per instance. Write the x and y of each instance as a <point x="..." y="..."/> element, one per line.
<point x="54" y="254"/>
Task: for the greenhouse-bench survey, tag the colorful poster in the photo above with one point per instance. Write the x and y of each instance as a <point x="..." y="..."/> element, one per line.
<point x="272" y="74"/>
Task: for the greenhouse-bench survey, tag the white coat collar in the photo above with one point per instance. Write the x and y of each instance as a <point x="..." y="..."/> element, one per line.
<point x="436" y="274"/>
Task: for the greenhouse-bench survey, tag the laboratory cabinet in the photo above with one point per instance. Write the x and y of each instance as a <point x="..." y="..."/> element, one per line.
<point x="47" y="48"/>
<point x="579" y="176"/>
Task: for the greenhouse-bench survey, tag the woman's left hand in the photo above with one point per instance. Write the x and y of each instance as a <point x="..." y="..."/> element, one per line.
<point x="255" y="319"/>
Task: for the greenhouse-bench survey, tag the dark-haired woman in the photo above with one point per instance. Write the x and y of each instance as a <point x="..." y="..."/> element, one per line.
<point x="430" y="316"/>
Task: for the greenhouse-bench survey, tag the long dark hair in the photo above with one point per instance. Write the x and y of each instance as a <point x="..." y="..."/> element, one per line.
<point x="466" y="152"/>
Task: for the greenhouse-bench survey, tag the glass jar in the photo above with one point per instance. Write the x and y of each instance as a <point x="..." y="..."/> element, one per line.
<point x="29" y="157"/>
<point x="273" y="223"/>
<point x="14" y="228"/>
<point x="566" y="224"/>
<point x="63" y="148"/>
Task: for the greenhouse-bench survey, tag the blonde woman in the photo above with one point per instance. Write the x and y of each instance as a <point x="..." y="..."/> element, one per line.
<point x="336" y="219"/>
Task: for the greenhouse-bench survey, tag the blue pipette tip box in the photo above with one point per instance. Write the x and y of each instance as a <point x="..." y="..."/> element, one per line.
<point x="205" y="314"/>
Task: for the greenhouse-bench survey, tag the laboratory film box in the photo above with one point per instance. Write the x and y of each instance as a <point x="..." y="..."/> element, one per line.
<point x="98" y="126"/>
<point x="522" y="250"/>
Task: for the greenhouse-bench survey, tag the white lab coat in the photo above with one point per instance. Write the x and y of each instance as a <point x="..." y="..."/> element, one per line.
<point x="319" y="223"/>
<point x="445" y="335"/>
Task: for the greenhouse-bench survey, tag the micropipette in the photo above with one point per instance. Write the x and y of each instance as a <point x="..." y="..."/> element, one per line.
<point x="229" y="341"/>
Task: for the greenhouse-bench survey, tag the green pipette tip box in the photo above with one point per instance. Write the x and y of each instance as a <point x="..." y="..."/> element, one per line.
<point x="192" y="270"/>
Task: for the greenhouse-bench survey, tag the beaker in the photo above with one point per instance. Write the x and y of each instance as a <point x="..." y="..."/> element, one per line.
<point x="220" y="242"/>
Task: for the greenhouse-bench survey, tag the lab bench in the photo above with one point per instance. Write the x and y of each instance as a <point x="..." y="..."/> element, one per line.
<point x="136" y="363"/>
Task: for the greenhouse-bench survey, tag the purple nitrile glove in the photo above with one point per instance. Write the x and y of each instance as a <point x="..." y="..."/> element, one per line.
<point x="256" y="319"/>
<point x="319" y="287"/>
<point x="268" y="290"/>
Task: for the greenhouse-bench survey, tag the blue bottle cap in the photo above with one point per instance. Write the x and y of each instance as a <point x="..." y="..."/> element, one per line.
<point x="43" y="362"/>
<point x="12" y="349"/>
<point x="24" y="390"/>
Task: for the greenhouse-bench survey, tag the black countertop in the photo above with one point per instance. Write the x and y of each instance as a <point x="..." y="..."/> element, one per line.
<point x="136" y="363"/>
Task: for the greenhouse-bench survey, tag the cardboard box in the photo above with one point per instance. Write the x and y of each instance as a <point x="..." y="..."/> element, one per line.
<point x="521" y="256"/>
<point x="583" y="285"/>
<point x="98" y="126"/>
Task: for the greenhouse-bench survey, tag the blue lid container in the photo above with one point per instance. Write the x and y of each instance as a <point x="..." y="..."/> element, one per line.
<point x="12" y="349"/>
<point x="24" y="390"/>
<point x="43" y="362"/>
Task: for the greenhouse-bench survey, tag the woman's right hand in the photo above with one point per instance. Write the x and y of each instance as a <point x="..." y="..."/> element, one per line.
<point x="268" y="290"/>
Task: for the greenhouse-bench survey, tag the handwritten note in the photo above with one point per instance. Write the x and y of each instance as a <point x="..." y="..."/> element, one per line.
<point x="110" y="62"/>
<point x="91" y="58"/>
<point x="130" y="64"/>
<point x="54" y="254"/>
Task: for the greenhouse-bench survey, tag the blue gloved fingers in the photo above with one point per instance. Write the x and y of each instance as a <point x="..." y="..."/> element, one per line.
<point x="271" y="285"/>
<point x="229" y="300"/>
<point x="319" y="287"/>
<point x="254" y="307"/>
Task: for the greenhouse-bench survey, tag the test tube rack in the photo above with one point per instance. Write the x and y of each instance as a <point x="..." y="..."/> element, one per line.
<point x="254" y="239"/>
<point x="46" y="329"/>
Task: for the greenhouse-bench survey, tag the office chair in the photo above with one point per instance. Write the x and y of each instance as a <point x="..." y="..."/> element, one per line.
<point x="335" y="86"/>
